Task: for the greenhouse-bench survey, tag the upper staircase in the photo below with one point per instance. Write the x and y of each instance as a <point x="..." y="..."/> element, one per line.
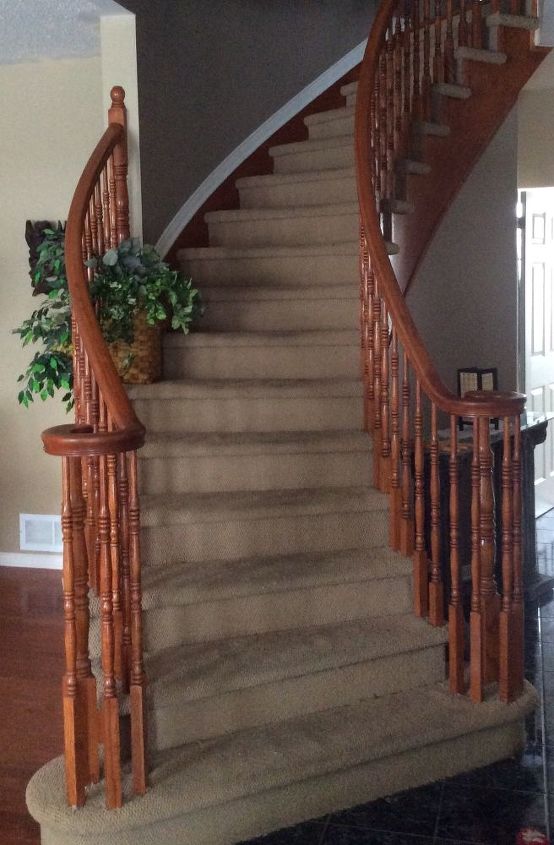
<point x="284" y="551"/>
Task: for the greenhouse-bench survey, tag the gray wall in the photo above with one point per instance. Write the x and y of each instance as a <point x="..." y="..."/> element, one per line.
<point x="464" y="300"/>
<point x="211" y="71"/>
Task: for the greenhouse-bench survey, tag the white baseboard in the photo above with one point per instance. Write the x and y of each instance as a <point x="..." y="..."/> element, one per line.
<point x="32" y="560"/>
<point x="255" y="140"/>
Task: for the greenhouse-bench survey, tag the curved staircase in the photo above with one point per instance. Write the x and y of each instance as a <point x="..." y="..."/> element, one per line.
<point x="288" y="675"/>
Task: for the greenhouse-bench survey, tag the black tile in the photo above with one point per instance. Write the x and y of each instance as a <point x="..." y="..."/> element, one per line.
<point x="307" y="833"/>
<point x="412" y="812"/>
<point x="525" y="774"/>
<point x="337" y="835"/>
<point x="488" y="816"/>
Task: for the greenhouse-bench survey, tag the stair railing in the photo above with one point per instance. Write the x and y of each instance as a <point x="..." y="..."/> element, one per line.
<point x="100" y="505"/>
<point x="411" y="47"/>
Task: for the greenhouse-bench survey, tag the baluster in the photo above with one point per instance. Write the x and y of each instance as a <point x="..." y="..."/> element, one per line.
<point x="86" y="682"/>
<point x="436" y="596"/>
<point x="416" y="57"/>
<point x="92" y="483"/>
<point x="105" y="187"/>
<point x="490" y="600"/>
<point x="505" y="632"/>
<point x="93" y="225"/>
<point x="385" y="470"/>
<point x="455" y="608"/>
<point x="99" y="217"/>
<point x="77" y="361"/>
<point x="125" y="566"/>
<point x="438" y="65"/>
<point x="138" y="681"/>
<point x="377" y="429"/>
<point x="110" y="712"/>
<point x="495" y="6"/>
<point x="397" y="62"/>
<point x="476" y="641"/>
<point x="426" y="86"/>
<point x="517" y="599"/>
<point x="383" y="138"/>
<point x="117" y="612"/>
<point x="118" y="114"/>
<point x="463" y="28"/>
<point x="88" y="245"/>
<point x="395" y="484"/>
<point x="514" y="7"/>
<point x="366" y="330"/>
<point x="375" y="141"/>
<point x="113" y="203"/>
<point x="476" y="24"/>
<point x="391" y="126"/>
<point x="449" y="61"/>
<point x="421" y="567"/>
<point x="407" y="61"/>
<point x="407" y="523"/>
<point x="76" y="763"/>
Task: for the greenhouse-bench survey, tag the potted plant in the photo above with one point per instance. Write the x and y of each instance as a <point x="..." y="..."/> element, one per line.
<point x="136" y="294"/>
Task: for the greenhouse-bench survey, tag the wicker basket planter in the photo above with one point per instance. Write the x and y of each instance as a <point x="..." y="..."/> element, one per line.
<point x="139" y="362"/>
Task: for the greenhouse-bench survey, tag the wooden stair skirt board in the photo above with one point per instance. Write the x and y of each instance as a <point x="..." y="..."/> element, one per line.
<point x="249" y="783"/>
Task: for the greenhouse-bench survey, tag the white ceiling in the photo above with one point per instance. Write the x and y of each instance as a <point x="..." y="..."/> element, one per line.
<point x="39" y="29"/>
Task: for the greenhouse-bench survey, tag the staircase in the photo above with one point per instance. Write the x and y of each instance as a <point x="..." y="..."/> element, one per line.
<point x="288" y="675"/>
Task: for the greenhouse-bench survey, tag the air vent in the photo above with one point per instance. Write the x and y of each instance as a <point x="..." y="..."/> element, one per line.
<point x="39" y="532"/>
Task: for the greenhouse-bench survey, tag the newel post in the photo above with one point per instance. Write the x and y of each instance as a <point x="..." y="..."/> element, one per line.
<point x="117" y="113"/>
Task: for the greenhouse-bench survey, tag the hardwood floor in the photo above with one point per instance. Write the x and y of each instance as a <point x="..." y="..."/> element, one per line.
<point x="31" y="668"/>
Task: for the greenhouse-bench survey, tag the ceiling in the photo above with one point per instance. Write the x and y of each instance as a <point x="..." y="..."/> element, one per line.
<point x="31" y="30"/>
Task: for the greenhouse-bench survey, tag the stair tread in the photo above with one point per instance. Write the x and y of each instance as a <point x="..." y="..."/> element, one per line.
<point x="249" y="388"/>
<point x="329" y="115"/>
<point x="188" y="583"/>
<point x="349" y="88"/>
<point x="199" y="670"/>
<point x="268" y="293"/>
<point x="475" y="54"/>
<point x="170" y="444"/>
<point x="272" y="251"/>
<point x="274" y="179"/>
<point x="212" y="772"/>
<point x="515" y="21"/>
<point x="313" y="144"/>
<point x="238" y="339"/>
<point x="185" y="508"/>
<point x="451" y="89"/>
<point x="310" y="211"/>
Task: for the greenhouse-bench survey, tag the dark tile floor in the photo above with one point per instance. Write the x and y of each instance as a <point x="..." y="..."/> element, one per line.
<point x="486" y="807"/>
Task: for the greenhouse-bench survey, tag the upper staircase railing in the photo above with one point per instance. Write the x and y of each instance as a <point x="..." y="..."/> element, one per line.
<point x="100" y="506"/>
<point x="413" y="48"/>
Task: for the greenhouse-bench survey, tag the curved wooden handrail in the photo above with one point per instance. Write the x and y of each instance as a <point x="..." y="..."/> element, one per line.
<point x="487" y="404"/>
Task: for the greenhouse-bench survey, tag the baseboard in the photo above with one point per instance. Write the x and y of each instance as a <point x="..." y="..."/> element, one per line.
<point x="253" y="142"/>
<point x="31" y="560"/>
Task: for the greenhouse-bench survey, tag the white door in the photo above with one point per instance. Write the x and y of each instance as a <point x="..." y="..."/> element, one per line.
<point x="539" y="330"/>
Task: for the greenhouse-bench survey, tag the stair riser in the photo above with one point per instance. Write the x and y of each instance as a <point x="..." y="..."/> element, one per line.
<point x="274" y="362"/>
<point x="318" y="192"/>
<point x="313" y="797"/>
<point x="292" y="231"/>
<point x="277" y="611"/>
<point x="189" y="721"/>
<point x="340" y="127"/>
<point x="263" y="537"/>
<point x="274" y="270"/>
<point x="324" y="159"/>
<point x="221" y="473"/>
<point x="283" y="315"/>
<point x="256" y="414"/>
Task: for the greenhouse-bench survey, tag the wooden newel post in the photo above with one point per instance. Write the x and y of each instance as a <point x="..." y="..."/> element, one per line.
<point x="118" y="114"/>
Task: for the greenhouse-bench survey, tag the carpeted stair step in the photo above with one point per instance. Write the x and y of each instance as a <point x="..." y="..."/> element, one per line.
<point x="284" y="190"/>
<point x="297" y="226"/>
<point x="229" y="526"/>
<point x="249" y="405"/>
<point x="319" y="264"/>
<point x="208" y="689"/>
<point x="219" y="461"/>
<point x="195" y="602"/>
<point x="323" y="154"/>
<point x="350" y="91"/>
<point x="331" y="124"/>
<point x="244" y="784"/>
<point x="262" y="354"/>
<point x="513" y="21"/>
<point x="293" y="308"/>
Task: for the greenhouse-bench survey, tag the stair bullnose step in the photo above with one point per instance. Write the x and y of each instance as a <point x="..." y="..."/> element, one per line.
<point x="348" y="89"/>
<point x="448" y="89"/>
<point x="513" y="21"/>
<point x="201" y="670"/>
<point x="212" y="773"/>
<point x="474" y="54"/>
<point x="185" y="508"/>
<point x="247" y="388"/>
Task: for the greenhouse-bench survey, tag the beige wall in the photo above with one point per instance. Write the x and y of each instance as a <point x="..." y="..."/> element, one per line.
<point x="51" y="118"/>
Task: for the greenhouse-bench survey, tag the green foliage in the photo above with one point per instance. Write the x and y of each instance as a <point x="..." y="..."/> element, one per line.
<point x="127" y="280"/>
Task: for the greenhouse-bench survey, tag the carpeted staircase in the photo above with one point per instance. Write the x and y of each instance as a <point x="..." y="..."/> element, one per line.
<point x="287" y="674"/>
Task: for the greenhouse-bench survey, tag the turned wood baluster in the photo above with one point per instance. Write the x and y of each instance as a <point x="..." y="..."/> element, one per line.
<point x="92" y="482"/>
<point x="426" y="84"/>
<point x="377" y="423"/>
<point x="138" y="680"/>
<point x="407" y="68"/>
<point x="463" y="27"/>
<point x="490" y="600"/>
<point x="365" y="319"/>
<point x="416" y="58"/>
<point x="395" y="479"/>
<point x="383" y="107"/>
<point x="86" y="682"/>
<point x="99" y="216"/>
<point x="397" y="61"/>
<point x="113" y="202"/>
<point x="407" y="522"/>
<point x="391" y="119"/>
<point x="117" y="610"/>
<point x="110" y="711"/>
<point x="436" y="595"/>
<point x="505" y="626"/>
<point x="438" y="64"/>
<point x="449" y="60"/>
<point x="476" y="24"/>
<point x="118" y="114"/>
<point x="106" y="216"/>
<point x="76" y="763"/>
<point x="93" y="226"/>
<point x="455" y="608"/>
<point x="78" y="373"/>
<point x="476" y="639"/>
<point x="421" y="566"/>
<point x="125" y="566"/>
<point x="385" y="471"/>
<point x="517" y="599"/>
